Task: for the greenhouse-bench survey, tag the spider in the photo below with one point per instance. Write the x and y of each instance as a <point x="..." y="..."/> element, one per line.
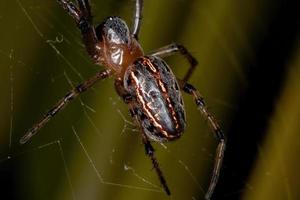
<point x="145" y="83"/>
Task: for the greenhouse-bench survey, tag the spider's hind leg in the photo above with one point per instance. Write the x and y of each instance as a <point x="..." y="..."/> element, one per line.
<point x="189" y="89"/>
<point x="150" y="152"/>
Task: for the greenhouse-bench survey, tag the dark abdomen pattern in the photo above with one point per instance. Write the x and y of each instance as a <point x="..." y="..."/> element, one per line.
<point x="157" y="98"/>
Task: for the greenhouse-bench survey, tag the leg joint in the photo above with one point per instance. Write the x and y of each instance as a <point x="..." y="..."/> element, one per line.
<point x="219" y="134"/>
<point x="182" y="49"/>
<point x="80" y="88"/>
<point x="200" y="102"/>
<point x="188" y="88"/>
<point x="149" y="149"/>
<point x="84" y="25"/>
<point x="127" y="98"/>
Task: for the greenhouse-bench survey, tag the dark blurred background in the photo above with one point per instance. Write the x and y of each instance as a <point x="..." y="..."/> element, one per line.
<point x="249" y="74"/>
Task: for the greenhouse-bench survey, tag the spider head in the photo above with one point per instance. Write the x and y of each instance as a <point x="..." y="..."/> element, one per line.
<point x="119" y="48"/>
<point x="114" y="31"/>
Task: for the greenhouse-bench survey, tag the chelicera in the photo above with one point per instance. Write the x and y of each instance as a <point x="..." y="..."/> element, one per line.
<point x="145" y="82"/>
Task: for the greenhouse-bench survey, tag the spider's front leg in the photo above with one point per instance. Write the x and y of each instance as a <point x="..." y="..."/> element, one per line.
<point x="63" y="102"/>
<point x="188" y="88"/>
<point x="83" y="18"/>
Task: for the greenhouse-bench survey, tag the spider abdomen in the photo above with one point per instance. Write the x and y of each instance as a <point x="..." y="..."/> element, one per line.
<point x="158" y="102"/>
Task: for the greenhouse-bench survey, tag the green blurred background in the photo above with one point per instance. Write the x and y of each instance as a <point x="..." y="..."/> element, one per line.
<point x="249" y="74"/>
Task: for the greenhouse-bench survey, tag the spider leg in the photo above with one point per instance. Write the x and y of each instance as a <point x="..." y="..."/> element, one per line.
<point x="85" y="8"/>
<point x="71" y="9"/>
<point x="218" y="134"/>
<point x="177" y="48"/>
<point x="83" y="19"/>
<point x="150" y="152"/>
<point x="63" y="102"/>
<point x="137" y="18"/>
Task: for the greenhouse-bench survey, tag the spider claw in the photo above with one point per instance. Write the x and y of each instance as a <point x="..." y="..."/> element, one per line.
<point x="167" y="190"/>
<point x="25" y="138"/>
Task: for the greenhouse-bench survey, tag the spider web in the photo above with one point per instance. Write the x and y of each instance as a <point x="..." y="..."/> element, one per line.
<point x="92" y="149"/>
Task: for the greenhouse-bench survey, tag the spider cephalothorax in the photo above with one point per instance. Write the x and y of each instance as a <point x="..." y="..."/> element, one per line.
<point x="116" y="46"/>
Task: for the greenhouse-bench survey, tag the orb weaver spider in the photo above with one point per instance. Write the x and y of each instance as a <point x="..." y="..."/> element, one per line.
<point x="145" y="83"/>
